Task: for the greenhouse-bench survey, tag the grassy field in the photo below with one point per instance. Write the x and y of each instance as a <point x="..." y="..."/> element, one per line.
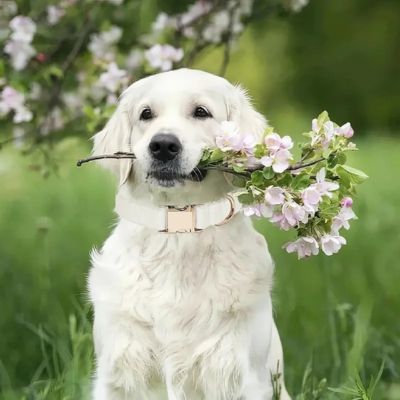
<point x="338" y="317"/>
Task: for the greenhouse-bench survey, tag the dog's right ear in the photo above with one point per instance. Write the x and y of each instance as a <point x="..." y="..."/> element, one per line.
<point x="114" y="137"/>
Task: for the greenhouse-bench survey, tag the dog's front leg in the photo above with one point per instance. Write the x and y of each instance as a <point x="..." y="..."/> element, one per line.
<point x="125" y="360"/>
<point x="234" y="365"/>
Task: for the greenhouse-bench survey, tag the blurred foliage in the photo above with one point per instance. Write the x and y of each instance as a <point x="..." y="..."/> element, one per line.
<point x="342" y="56"/>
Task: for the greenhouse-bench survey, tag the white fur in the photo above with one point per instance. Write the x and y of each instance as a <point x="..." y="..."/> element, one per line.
<point x="189" y="315"/>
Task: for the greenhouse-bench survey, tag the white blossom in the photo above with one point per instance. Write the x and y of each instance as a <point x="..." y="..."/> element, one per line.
<point x="163" y="21"/>
<point x="196" y="10"/>
<point x="113" y="78"/>
<point x="23" y="29"/>
<point x="12" y="100"/>
<point x="22" y="114"/>
<point x="134" y="59"/>
<point x="163" y="56"/>
<point x="217" y="26"/>
<point x="54" y="14"/>
<point x="101" y="44"/>
<point x="297" y="5"/>
<point x="20" y="53"/>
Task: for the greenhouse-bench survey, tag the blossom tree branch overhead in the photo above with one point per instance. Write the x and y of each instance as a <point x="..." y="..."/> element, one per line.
<point x="65" y="64"/>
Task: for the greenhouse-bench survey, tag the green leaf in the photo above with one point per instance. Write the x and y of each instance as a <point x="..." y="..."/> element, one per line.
<point x="336" y="158"/>
<point x="259" y="151"/>
<point x="322" y="118"/>
<point x="285" y="179"/>
<point x="238" y="168"/>
<point x="216" y="155"/>
<point x="356" y="175"/>
<point x="257" y="178"/>
<point x="268" y="172"/>
<point x="301" y="181"/>
<point x="206" y="155"/>
<point x="307" y="152"/>
<point x="239" y="181"/>
<point x="246" y="198"/>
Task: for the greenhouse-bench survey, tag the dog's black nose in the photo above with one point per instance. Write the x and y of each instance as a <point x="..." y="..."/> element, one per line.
<point x="165" y="147"/>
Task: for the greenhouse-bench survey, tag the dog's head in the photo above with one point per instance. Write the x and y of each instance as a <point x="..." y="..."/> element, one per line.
<point x="167" y="120"/>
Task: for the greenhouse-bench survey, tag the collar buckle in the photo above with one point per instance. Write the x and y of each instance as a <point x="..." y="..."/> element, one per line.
<point x="181" y="220"/>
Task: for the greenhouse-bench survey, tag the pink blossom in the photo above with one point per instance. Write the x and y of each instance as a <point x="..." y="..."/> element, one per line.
<point x="311" y="198"/>
<point x="163" y="56"/>
<point x="12" y="100"/>
<point x="228" y="137"/>
<point x="294" y="213"/>
<point x="346" y="202"/>
<point x="279" y="220"/>
<point x="248" y="142"/>
<point x="278" y="156"/>
<point x="290" y="215"/>
<point x="324" y="187"/>
<point x="279" y="161"/>
<point x="323" y="135"/>
<point x="331" y="244"/>
<point x="274" y="195"/>
<point x="342" y="219"/>
<point x="345" y="130"/>
<point x="258" y="210"/>
<point x="304" y="246"/>
<point x="274" y="142"/>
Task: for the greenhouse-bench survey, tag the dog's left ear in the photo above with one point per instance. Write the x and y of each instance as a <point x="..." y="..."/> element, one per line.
<point x="243" y="113"/>
<point x="114" y="137"/>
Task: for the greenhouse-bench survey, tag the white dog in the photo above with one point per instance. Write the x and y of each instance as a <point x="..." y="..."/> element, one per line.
<point x="181" y="315"/>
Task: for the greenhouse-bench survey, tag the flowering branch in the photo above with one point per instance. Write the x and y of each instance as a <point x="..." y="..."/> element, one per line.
<point x="312" y="196"/>
<point x="57" y="80"/>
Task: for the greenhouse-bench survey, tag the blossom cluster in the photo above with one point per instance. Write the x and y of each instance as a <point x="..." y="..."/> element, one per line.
<point x="67" y="62"/>
<point x="312" y="196"/>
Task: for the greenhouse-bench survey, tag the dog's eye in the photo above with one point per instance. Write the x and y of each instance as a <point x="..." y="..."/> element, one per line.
<point x="146" y="114"/>
<point x="201" y="112"/>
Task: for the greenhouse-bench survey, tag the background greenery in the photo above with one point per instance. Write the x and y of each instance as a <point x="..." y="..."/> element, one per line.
<point x="338" y="316"/>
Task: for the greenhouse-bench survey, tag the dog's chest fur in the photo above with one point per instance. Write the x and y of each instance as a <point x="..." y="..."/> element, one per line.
<point x="179" y="293"/>
<point x="181" y="278"/>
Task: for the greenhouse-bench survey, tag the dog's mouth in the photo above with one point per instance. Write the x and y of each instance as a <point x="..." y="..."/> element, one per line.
<point x="170" y="175"/>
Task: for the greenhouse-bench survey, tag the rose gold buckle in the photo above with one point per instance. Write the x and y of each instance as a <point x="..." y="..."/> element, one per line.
<point x="180" y="220"/>
<point x="231" y="211"/>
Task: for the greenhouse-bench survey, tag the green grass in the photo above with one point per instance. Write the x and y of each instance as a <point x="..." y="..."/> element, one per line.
<point x="338" y="316"/>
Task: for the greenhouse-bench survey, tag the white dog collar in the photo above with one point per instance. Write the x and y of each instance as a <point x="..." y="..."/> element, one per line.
<point x="171" y="219"/>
